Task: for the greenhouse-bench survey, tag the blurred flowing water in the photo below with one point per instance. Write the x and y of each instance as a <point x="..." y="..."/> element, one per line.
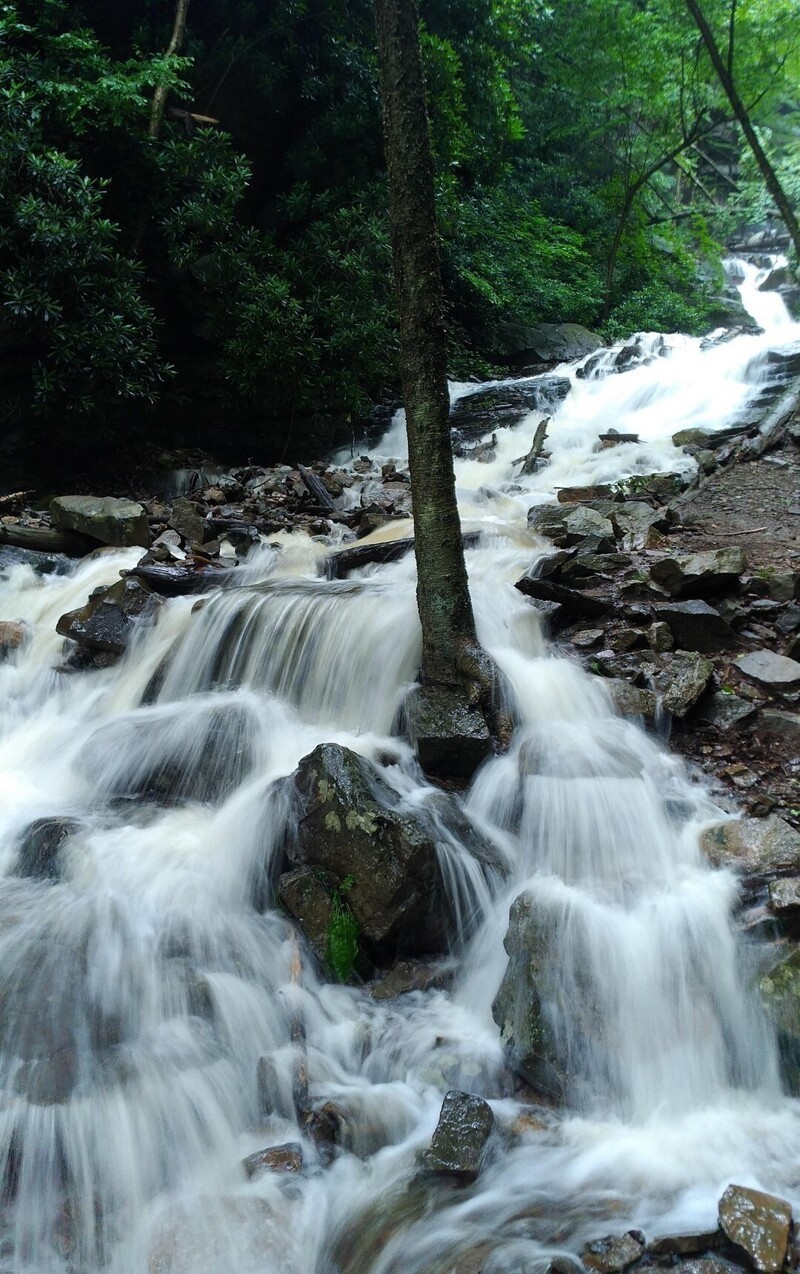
<point x="141" y="986"/>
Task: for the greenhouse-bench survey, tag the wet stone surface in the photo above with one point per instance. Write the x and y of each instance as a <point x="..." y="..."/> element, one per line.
<point x="613" y="1253"/>
<point x="459" y="1143"/>
<point x="757" y="1223"/>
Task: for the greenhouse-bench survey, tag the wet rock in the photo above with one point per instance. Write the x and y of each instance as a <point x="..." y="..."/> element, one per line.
<point x="351" y="822"/>
<point x="613" y="1253"/>
<point x="697" y="626"/>
<point x="758" y="1224"/>
<point x="692" y="438"/>
<point x="632" y="701"/>
<point x="508" y="403"/>
<point x="682" y="681"/>
<point x="413" y="975"/>
<point x="517" y="1008"/>
<point x="784" y="894"/>
<point x="48" y="1081"/>
<point x="40" y="563"/>
<point x="579" y="495"/>
<point x="450" y="736"/>
<point x="755" y="846"/>
<point x="688" y="1244"/>
<point x="517" y="344"/>
<point x="186" y="519"/>
<point x="700" y="573"/>
<point x="659" y="637"/>
<point x="122" y="523"/>
<point x="780" y="994"/>
<point x="587" y="638"/>
<point x="583" y="521"/>
<point x="12" y="635"/>
<point x="308" y="896"/>
<point x="459" y="1142"/>
<point x="724" y="711"/>
<point x="108" y="620"/>
<point x="285" y="1158"/>
<point x="576" y="605"/>
<point x="775" y="672"/>
<point x="40" y="847"/>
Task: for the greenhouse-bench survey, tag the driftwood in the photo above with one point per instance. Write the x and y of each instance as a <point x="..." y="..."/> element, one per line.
<point x="529" y="462"/>
<point x="46" y="539"/>
<point x="317" y="488"/>
<point x="177" y="581"/>
<point x="13" y="497"/>
<point x="341" y="563"/>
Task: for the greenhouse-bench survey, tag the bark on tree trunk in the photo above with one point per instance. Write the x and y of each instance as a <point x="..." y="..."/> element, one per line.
<point x="449" y="719"/>
<point x="771" y="180"/>
<point x="174" y="46"/>
<point x="443" y="596"/>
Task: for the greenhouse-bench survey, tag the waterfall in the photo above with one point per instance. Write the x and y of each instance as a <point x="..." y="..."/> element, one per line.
<point x="146" y="972"/>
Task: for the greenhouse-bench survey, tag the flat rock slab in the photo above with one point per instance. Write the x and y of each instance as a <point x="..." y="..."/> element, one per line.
<point x="759" y="1224"/>
<point x="459" y="1142"/>
<point x="122" y="523"/>
<point x="755" y="846"/>
<point x="614" y="1252"/>
<point x="776" y="672"/>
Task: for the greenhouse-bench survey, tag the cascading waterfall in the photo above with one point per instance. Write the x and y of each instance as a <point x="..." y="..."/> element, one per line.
<point x="142" y="983"/>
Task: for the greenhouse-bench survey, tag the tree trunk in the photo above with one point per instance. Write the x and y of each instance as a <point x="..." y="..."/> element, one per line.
<point x="443" y="598"/>
<point x="724" y="73"/>
<point x="622" y="221"/>
<point x="174" y="46"/>
<point x="448" y="718"/>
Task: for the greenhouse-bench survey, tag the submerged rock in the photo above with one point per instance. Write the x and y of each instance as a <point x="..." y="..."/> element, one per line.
<point x="459" y="1142"/>
<point x="122" y="523"/>
<point x="285" y="1158"/>
<point x="758" y="1224"/>
<point x="614" y="1252"/>
<point x="40" y="847"/>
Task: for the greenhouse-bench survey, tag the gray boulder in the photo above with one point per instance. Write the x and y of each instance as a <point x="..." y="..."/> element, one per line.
<point x="724" y="711"/>
<point x="699" y="574"/>
<point x="755" y="846"/>
<point x="122" y="523"/>
<point x="351" y="822"/>
<point x="517" y="1008"/>
<point x="547" y="343"/>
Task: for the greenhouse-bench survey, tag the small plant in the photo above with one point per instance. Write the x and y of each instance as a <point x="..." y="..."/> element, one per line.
<point x="342" y="933"/>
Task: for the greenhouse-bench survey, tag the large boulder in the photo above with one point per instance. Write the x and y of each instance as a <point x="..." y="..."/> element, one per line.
<point x="496" y="405"/>
<point x="699" y="574"/>
<point x="697" y="626"/>
<point x="122" y="523"/>
<point x="351" y="822"/>
<point x="546" y="343"/>
<point x="517" y="1008"/>
<point x="107" y="621"/>
<point x="758" y="1224"/>
<point x="755" y="846"/>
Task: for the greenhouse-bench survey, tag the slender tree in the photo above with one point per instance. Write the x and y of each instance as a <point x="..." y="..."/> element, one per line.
<point x="175" y="45"/>
<point x="725" y="74"/>
<point x="451" y="656"/>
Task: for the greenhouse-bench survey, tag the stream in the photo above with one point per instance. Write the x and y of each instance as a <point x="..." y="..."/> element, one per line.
<point x="140" y="989"/>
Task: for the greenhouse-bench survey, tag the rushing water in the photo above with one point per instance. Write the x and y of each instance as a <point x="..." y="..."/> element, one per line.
<point x="140" y="989"/>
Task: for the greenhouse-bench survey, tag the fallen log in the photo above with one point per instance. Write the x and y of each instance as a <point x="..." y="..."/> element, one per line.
<point x="342" y="562"/>
<point x="539" y="437"/>
<point x="178" y="581"/>
<point x="46" y="539"/>
<point x="317" y="488"/>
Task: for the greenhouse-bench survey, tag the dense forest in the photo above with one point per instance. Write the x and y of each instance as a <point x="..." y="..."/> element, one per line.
<point x="195" y="237"/>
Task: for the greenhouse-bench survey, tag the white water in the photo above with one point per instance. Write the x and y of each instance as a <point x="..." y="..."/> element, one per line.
<point x="140" y="990"/>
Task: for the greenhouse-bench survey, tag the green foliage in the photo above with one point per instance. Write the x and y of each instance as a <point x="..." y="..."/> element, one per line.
<point x="72" y="301"/>
<point x="342" y="933"/>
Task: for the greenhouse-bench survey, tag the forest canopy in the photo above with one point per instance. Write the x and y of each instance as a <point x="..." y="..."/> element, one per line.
<point x="587" y="170"/>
